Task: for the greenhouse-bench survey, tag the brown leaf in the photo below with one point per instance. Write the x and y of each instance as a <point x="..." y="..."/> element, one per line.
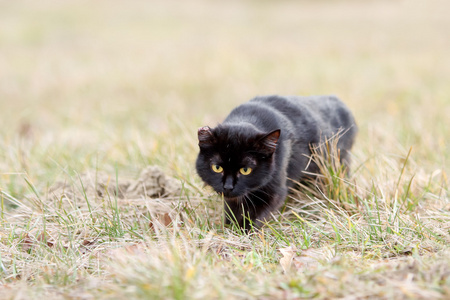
<point x="163" y="219"/>
<point x="87" y="243"/>
<point x="85" y="246"/>
<point x="27" y="243"/>
<point x="43" y="238"/>
<point x="166" y="219"/>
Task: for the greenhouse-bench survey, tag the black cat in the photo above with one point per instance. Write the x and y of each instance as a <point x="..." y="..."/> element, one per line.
<point x="263" y="143"/>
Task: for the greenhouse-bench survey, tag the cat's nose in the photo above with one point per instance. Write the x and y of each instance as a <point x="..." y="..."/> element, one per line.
<point x="228" y="185"/>
<point x="228" y="188"/>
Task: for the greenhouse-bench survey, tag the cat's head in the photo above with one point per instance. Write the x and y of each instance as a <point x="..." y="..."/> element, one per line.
<point x="236" y="159"/>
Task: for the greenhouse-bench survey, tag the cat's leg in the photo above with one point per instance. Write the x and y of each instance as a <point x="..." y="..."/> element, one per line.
<point x="345" y="161"/>
<point x="234" y="211"/>
<point x="243" y="212"/>
<point x="345" y="143"/>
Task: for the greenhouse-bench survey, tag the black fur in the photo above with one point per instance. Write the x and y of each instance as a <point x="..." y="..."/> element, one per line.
<point x="272" y="135"/>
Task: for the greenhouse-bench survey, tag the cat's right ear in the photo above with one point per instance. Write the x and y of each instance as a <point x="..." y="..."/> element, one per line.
<point x="269" y="142"/>
<point x="205" y="136"/>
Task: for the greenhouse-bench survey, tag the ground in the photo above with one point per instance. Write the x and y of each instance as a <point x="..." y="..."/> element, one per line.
<point x="95" y="94"/>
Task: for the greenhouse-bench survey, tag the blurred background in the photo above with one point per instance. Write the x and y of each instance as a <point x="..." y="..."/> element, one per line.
<point x="126" y="83"/>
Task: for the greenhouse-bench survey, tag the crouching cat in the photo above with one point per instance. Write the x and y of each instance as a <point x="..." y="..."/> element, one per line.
<point x="264" y="144"/>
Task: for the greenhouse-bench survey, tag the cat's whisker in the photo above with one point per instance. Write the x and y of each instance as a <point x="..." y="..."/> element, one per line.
<point x="259" y="198"/>
<point x="263" y="192"/>
<point x="241" y="199"/>
<point x="249" y="200"/>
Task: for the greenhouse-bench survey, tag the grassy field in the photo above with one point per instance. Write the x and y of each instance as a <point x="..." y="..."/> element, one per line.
<point x="92" y="93"/>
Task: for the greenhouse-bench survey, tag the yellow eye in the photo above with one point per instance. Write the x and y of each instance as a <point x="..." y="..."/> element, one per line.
<point x="245" y="171"/>
<point x="217" y="168"/>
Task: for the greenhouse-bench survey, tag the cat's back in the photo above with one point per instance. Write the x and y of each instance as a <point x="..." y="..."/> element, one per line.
<point x="268" y="109"/>
<point x="324" y="111"/>
<point x="299" y="114"/>
<point x="293" y="106"/>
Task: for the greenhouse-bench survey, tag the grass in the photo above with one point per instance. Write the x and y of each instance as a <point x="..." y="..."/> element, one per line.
<point x="108" y="88"/>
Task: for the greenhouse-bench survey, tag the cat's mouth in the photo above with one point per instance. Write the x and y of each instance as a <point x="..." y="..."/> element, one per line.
<point x="232" y="199"/>
<point x="231" y="196"/>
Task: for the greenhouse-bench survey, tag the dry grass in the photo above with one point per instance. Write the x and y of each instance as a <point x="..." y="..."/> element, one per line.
<point x="110" y="87"/>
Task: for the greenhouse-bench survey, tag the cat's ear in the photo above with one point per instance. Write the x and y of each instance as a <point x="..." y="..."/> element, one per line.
<point x="205" y="136"/>
<point x="268" y="143"/>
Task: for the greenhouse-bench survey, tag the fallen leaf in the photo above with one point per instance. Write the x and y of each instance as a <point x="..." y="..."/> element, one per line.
<point x="308" y="259"/>
<point x="304" y="262"/>
<point x="162" y="219"/>
<point x="166" y="219"/>
<point x="27" y="243"/>
<point x="138" y="249"/>
<point x="311" y="258"/>
<point x="86" y="246"/>
<point x="87" y="243"/>
<point x="43" y="238"/>
<point x="288" y="255"/>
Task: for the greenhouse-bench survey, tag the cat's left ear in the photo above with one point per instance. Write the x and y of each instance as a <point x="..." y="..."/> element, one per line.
<point x="205" y="136"/>
<point x="269" y="142"/>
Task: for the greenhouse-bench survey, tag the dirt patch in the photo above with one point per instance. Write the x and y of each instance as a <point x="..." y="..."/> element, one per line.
<point x="151" y="183"/>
